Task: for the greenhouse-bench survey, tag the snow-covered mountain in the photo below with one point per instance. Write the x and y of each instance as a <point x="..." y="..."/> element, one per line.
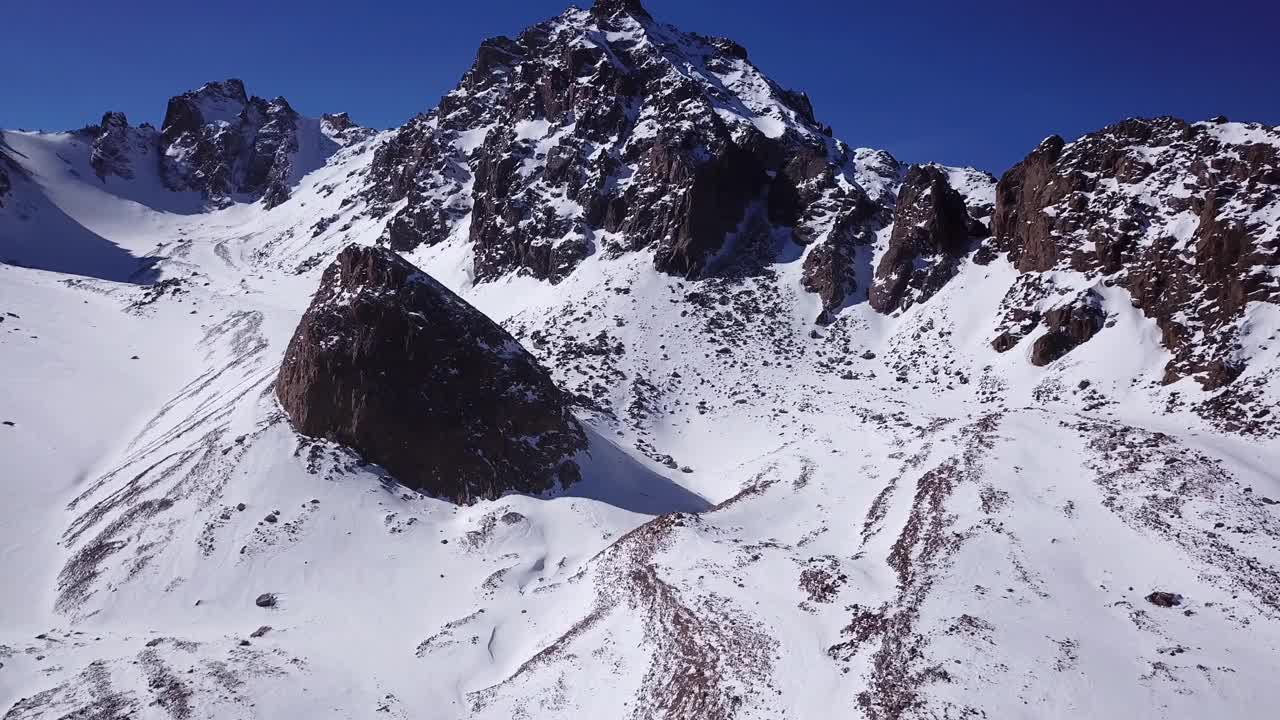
<point x="852" y="438"/>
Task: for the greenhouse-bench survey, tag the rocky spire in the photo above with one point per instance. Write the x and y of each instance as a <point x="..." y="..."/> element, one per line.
<point x="931" y="231"/>
<point x="110" y="153"/>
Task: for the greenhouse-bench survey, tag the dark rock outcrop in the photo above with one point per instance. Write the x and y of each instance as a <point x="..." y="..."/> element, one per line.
<point x="223" y="143"/>
<point x="110" y="154"/>
<point x="1070" y="326"/>
<point x="602" y="131"/>
<point x="391" y="363"/>
<point x="1180" y="214"/>
<point x="1164" y="599"/>
<point x="270" y="164"/>
<point x="829" y="272"/>
<point x="1019" y="225"/>
<point x="932" y="230"/>
<point x="609" y="8"/>
<point x="343" y="129"/>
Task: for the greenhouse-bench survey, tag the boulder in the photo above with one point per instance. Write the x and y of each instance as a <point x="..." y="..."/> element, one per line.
<point x="1164" y="599"/>
<point x="1070" y="326"/>
<point x="390" y="363"/>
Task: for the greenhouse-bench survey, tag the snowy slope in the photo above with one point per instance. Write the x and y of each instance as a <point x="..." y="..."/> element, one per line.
<point x="878" y="517"/>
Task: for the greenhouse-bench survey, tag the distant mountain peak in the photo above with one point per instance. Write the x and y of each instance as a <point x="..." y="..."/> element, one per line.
<point x="231" y="89"/>
<point x="222" y="142"/>
<point x="609" y="8"/>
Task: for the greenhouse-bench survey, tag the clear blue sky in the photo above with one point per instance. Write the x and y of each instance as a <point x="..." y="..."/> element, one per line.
<point x="973" y="83"/>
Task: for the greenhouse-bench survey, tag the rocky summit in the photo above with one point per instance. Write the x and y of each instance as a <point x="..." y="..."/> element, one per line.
<point x="615" y="386"/>
<point x="604" y="131"/>
<point x="220" y="142"/>
<point x="223" y="144"/>
<point x="389" y="362"/>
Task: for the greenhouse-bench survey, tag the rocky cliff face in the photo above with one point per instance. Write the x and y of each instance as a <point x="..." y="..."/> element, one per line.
<point x="343" y="129"/>
<point x="1069" y="326"/>
<point x="1185" y="216"/>
<point x="605" y="131"/>
<point x="391" y="363"/>
<point x="932" y="231"/>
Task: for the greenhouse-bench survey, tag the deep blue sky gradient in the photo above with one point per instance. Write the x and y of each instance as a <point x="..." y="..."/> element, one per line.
<point x="966" y="83"/>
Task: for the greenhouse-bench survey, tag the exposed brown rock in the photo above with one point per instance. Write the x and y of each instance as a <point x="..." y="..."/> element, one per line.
<point x="1069" y="327"/>
<point x="829" y="273"/>
<point x="341" y="127"/>
<point x="391" y="363"/>
<point x="931" y="232"/>
<point x="1115" y="205"/>
<point x="1005" y="341"/>
<point x="1019" y="224"/>
<point x="613" y="148"/>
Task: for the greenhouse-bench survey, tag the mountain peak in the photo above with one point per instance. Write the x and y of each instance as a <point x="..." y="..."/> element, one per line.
<point x="698" y="137"/>
<point x="111" y="119"/>
<point x="231" y="89"/>
<point x="196" y="154"/>
<point x="609" y="8"/>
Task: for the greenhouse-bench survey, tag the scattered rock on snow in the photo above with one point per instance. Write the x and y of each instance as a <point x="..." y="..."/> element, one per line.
<point x="1164" y="599"/>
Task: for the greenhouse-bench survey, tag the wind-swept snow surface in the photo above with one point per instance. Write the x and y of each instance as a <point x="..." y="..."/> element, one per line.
<point x="881" y="516"/>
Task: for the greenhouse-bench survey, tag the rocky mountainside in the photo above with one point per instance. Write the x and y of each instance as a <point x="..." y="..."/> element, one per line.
<point x="390" y="363"/>
<point x="933" y="231"/>
<point x="223" y="144"/>
<point x="604" y="131"/>
<point x="614" y="386"/>
<point x="1185" y="217"/>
